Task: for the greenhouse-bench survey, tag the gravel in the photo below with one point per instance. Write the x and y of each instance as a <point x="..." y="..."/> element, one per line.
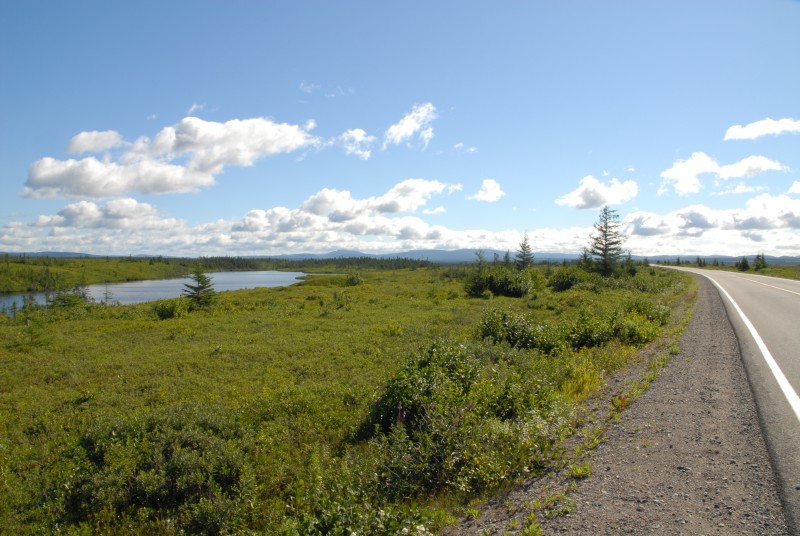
<point x="687" y="456"/>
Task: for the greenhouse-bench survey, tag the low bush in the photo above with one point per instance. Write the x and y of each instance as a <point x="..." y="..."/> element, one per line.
<point x="172" y="308"/>
<point x="179" y="466"/>
<point x="463" y="418"/>
<point x="519" y="331"/>
<point x="566" y="277"/>
<point x="502" y="281"/>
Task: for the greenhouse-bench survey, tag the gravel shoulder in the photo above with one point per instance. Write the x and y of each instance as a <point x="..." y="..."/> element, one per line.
<point x="686" y="457"/>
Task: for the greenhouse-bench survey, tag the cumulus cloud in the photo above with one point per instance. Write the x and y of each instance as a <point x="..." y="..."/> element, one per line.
<point x="794" y="188"/>
<point x="406" y="196"/>
<point x="764" y="127"/>
<point x="181" y="158"/>
<point x="415" y="123"/>
<point x="357" y="142"/>
<point x="490" y="192"/>
<point x="115" y="214"/>
<point x="749" y="167"/>
<point x="767" y="215"/>
<point x="683" y="176"/>
<point x="591" y="193"/>
<point x="739" y="188"/>
<point x="434" y="211"/>
<point x="92" y="178"/>
<point x="94" y="141"/>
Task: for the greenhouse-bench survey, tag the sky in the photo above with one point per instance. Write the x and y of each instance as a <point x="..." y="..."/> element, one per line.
<point x="203" y="128"/>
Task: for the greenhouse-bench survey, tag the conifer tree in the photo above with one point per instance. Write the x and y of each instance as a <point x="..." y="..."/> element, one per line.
<point x="201" y="293"/>
<point x="524" y="257"/>
<point x="606" y="245"/>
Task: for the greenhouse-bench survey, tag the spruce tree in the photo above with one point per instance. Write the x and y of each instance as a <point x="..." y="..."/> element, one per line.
<point x="606" y="245"/>
<point x="524" y="257"/>
<point x="201" y="293"/>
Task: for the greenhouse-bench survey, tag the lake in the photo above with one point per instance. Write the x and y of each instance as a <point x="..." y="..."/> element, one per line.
<point x="159" y="289"/>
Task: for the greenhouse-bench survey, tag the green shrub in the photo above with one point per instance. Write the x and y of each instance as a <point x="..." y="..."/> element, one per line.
<point x="185" y="464"/>
<point x="519" y="331"/>
<point x="633" y="328"/>
<point x="654" y="312"/>
<point x="589" y="331"/>
<point x="464" y="418"/>
<point x="566" y="277"/>
<point x="173" y="308"/>
<point x="354" y="279"/>
<point x="500" y="281"/>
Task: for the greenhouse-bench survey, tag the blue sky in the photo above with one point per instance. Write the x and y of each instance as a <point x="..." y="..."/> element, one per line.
<point x="260" y="128"/>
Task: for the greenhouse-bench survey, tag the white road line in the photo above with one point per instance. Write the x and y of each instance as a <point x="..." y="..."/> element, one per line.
<point x="786" y="387"/>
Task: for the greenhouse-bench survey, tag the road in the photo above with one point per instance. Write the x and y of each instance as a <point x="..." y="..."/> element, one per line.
<point x="765" y="313"/>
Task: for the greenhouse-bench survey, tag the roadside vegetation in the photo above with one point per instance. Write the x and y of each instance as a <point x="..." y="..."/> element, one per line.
<point x="380" y="400"/>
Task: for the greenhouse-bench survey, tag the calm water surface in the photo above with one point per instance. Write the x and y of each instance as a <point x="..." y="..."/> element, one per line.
<point x="159" y="289"/>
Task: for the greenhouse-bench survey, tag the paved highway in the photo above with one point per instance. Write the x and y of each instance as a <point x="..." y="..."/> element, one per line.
<point x="765" y="312"/>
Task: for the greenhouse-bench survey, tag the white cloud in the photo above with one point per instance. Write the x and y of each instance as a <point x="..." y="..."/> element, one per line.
<point x="434" y="211"/>
<point x="115" y="214"/>
<point x="764" y="127"/>
<point x="406" y="196"/>
<point x="94" y="141"/>
<point x="195" y="108"/>
<point x="91" y="178"/>
<point x="357" y="142"/>
<point x="181" y="158"/>
<point x="739" y="188"/>
<point x="593" y="194"/>
<point x="683" y="176"/>
<point x="125" y="226"/>
<point x="415" y="123"/>
<point x="462" y="148"/>
<point x="703" y="230"/>
<point x="490" y="191"/>
<point x="307" y="87"/>
<point x="749" y="167"/>
<point x="794" y="188"/>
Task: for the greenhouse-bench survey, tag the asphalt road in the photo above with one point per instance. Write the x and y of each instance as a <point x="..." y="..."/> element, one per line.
<point x="765" y="313"/>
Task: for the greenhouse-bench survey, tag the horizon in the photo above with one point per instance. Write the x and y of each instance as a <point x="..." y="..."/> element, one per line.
<point x="193" y="129"/>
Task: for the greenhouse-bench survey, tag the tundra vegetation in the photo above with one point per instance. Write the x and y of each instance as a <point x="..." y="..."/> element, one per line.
<point x="386" y="397"/>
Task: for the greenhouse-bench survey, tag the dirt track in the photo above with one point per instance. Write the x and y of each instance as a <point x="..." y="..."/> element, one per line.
<point x="687" y="457"/>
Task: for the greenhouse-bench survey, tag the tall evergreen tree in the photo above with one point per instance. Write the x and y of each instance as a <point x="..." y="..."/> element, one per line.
<point x="524" y="257"/>
<point x="606" y="245"/>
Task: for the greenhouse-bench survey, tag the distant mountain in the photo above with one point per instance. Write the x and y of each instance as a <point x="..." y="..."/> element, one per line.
<point x="448" y="256"/>
<point x="52" y="254"/>
<point x="432" y="255"/>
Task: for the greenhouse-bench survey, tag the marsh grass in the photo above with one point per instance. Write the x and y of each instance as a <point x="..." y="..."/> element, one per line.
<point x="276" y="410"/>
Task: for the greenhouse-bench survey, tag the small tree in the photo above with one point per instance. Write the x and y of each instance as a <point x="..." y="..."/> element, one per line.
<point x="743" y="265"/>
<point x="759" y="263"/>
<point x="606" y="245"/>
<point x="201" y="293"/>
<point x="524" y="257"/>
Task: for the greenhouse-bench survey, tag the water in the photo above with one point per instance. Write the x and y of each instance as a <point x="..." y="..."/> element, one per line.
<point x="159" y="289"/>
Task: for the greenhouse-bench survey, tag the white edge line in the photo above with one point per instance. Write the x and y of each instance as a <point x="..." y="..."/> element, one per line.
<point x="786" y="387"/>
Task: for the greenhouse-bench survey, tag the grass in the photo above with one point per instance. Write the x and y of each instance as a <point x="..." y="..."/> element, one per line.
<point x="264" y="412"/>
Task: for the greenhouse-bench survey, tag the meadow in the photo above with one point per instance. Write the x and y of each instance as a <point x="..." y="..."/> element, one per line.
<point x="377" y="399"/>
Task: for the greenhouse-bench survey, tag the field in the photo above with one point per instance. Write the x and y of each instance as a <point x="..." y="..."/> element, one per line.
<point x="367" y="402"/>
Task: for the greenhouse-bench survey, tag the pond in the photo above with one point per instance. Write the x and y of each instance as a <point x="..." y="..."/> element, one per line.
<point x="159" y="289"/>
